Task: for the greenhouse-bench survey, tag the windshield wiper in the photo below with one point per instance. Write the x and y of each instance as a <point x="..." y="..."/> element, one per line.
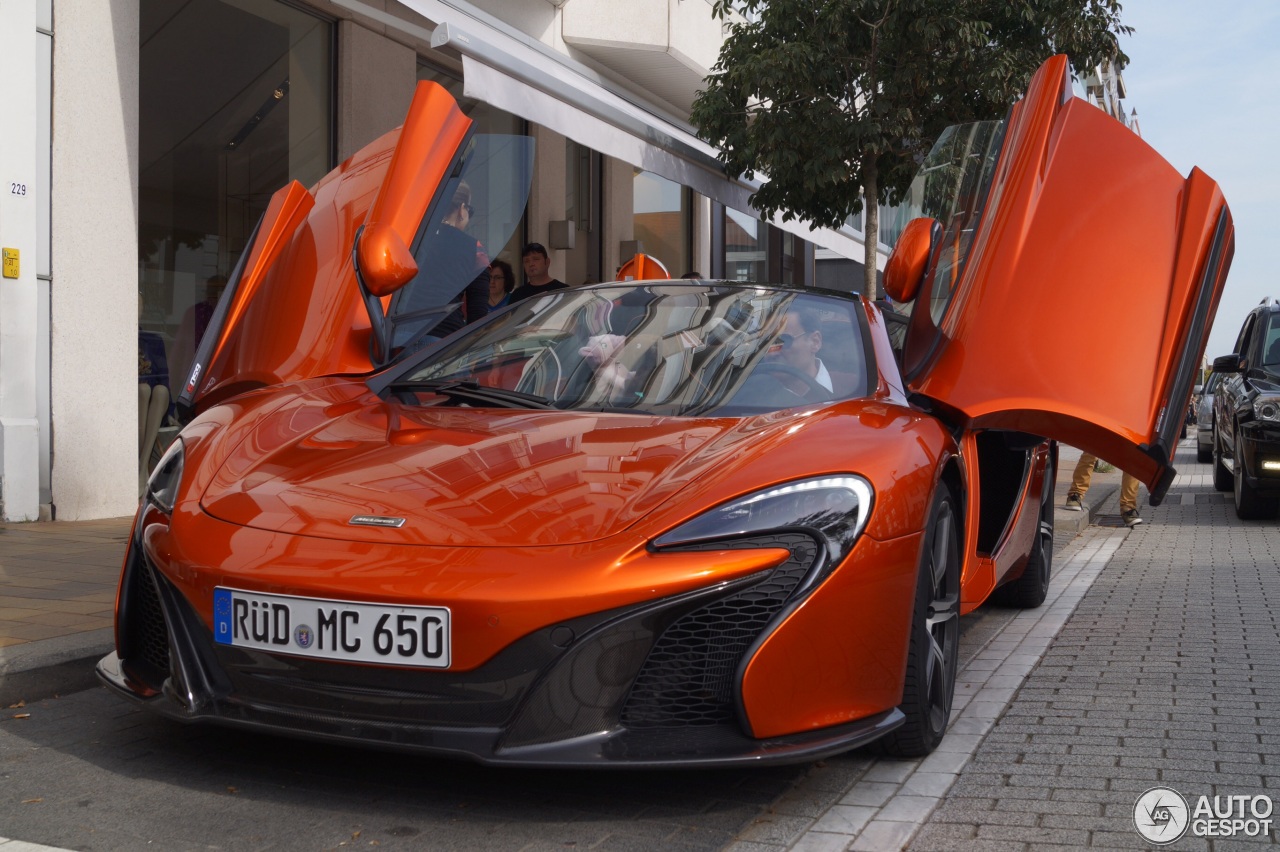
<point x="469" y="391"/>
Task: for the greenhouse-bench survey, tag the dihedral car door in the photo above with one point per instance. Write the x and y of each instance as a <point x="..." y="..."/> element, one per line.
<point x="1074" y="284"/>
<point x="293" y="308"/>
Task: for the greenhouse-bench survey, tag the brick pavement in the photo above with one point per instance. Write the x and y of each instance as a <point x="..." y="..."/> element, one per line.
<point x="852" y="801"/>
<point x="1167" y="674"/>
<point x="58" y="578"/>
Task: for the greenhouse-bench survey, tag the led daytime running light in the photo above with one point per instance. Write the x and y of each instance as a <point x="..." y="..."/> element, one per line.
<point x="837" y="507"/>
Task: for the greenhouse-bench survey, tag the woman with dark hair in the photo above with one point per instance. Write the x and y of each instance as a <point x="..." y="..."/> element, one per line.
<point x="502" y="281"/>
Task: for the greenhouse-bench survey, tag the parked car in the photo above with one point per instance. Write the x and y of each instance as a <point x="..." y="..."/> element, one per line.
<point x="1246" y="447"/>
<point x="1204" y="418"/>
<point x="649" y="523"/>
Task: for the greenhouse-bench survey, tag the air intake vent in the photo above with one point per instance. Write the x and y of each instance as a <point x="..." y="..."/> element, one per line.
<point x="687" y="680"/>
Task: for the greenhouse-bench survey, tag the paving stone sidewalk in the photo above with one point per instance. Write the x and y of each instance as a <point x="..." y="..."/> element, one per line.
<point x="1167" y="674"/>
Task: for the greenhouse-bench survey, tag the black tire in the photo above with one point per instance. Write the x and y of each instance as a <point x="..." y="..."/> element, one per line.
<point x="1204" y="455"/>
<point x="1222" y="478"/>
<point x="933" y="650"/>
<point x="1030" y="590"/>
<point x="1252" y="504"/>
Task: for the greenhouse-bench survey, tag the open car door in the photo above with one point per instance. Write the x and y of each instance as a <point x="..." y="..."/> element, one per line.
<point x="361" y="269"/>
<point x="1064" y="279"/>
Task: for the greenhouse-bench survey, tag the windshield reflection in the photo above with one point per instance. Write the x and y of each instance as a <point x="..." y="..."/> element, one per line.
<point x="665" y="349"/>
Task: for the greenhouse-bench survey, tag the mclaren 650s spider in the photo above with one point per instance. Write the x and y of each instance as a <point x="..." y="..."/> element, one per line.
<point x="651" y="523"/>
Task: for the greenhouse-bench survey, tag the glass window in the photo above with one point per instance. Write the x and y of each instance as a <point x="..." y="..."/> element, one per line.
<point x="1246" y="334"/>
<point x="744" y="247"/>
<point x="479" y="205"/>
<point x="1270" y="351"/>
<point x="893" y="218"/>
<point x="668" y="349"/>
<point x="235" y="100"/>
<point x="486" y="119"/>
<point x="663" y="217"/>
<point x="952" y="188"/>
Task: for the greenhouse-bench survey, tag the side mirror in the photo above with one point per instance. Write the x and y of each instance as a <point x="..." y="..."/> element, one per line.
<point x="385" y="262"/>
<point x="909" y="262"/>
<point x="1198" y="390"/>
<point x="1227" y="363"/>
<point x="642" y="267"/>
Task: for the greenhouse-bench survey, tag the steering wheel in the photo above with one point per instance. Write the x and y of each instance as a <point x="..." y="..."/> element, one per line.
<point x="813" y="392"/>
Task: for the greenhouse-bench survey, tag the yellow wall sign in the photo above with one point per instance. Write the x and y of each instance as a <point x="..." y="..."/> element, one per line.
<point x="11" y="257"/>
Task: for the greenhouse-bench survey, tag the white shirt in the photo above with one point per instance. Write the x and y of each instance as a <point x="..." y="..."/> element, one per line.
<point x="823" y="378"/>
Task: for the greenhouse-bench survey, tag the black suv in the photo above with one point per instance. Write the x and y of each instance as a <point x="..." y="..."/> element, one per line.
<point x="1246" y="405"/>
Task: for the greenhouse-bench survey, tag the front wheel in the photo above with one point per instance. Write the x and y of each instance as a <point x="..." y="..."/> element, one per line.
<point x="933" y="652"/>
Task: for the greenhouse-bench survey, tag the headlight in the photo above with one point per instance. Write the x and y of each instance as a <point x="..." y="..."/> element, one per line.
<point x="1267" y="407"/>
<point x="162" y="487"/>
<point x="835" y="507"/>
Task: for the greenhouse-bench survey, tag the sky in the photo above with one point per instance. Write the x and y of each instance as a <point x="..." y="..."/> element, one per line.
<point x="1199" y="78"/>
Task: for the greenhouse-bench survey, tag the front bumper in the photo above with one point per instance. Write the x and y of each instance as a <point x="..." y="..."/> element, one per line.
<point x="650" y="685"/>
<point x="1256" y="443"/>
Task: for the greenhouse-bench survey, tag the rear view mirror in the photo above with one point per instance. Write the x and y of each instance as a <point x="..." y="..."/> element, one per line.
<point x="1227" y="363"/>
<point x="385" y="262"/>
<point x="909" y="262"/>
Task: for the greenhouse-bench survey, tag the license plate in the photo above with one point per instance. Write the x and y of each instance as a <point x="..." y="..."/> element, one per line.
<point x="333" y="630"/>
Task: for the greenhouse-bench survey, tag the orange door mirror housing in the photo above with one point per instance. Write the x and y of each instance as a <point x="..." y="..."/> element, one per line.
<point x="385" y="262"/>
<point x="909" y="261"/>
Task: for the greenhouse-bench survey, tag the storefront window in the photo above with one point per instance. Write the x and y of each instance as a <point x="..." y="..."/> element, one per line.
<point x="235" y="101"/>
<point x="744" y="248"/>
<point x="662" y="217"/>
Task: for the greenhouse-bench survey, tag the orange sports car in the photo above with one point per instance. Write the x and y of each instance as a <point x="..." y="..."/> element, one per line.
<point x="651" y="523"/>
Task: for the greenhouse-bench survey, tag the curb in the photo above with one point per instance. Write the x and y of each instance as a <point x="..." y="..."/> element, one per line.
<point x="34" y="671"/>
<point x="1070" y="524"/>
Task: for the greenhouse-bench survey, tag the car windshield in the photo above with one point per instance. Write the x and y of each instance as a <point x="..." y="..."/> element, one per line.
<point x="664" y="349"/>
<point x="1271" y="346"/>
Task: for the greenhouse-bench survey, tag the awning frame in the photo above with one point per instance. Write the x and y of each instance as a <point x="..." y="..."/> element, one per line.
<point x="512" y="72"/>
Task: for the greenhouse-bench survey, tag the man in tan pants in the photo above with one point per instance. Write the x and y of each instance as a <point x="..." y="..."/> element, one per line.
<point x="1080" y="484"/>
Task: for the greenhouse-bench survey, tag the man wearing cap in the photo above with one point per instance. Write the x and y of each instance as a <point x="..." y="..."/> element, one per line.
<point x="537" y="277"/>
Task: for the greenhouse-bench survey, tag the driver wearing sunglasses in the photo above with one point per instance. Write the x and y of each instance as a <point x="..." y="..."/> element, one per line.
<point x="798" y="343"/>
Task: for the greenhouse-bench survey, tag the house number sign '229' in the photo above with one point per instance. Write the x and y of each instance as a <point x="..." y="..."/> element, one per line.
<point x="17" y="188"/>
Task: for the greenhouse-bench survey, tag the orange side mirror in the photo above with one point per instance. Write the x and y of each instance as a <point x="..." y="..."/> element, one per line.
<point x="906" y="268"/>
<point x="386" y="264"/>
<point x="641" y="268"/>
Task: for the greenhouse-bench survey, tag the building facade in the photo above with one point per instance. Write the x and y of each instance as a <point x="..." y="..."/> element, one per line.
<point x="143" y="139"/>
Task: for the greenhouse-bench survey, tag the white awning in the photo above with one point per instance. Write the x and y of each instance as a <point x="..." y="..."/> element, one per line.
<point x="518" y="75"/>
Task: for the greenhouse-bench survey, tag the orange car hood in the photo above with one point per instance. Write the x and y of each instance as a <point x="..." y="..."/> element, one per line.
<point x="464" y="476"/>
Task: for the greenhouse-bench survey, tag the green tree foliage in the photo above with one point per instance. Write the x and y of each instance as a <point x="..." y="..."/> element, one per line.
<point x="835" y="101"/>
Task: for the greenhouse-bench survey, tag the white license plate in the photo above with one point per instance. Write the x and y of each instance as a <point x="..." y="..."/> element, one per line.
<point x="333" y="630"/>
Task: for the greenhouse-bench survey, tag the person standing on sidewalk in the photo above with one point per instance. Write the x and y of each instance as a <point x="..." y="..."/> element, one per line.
<point x="537" y="274"/>
<point x="1080" y="484"/>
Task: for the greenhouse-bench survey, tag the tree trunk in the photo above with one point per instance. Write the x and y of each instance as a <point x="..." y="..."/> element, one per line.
<point x="871" y="230"/>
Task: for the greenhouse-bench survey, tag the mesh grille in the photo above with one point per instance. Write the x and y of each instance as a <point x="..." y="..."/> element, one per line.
<point x="687" y="681"/>
<point x="151" y="638"/>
